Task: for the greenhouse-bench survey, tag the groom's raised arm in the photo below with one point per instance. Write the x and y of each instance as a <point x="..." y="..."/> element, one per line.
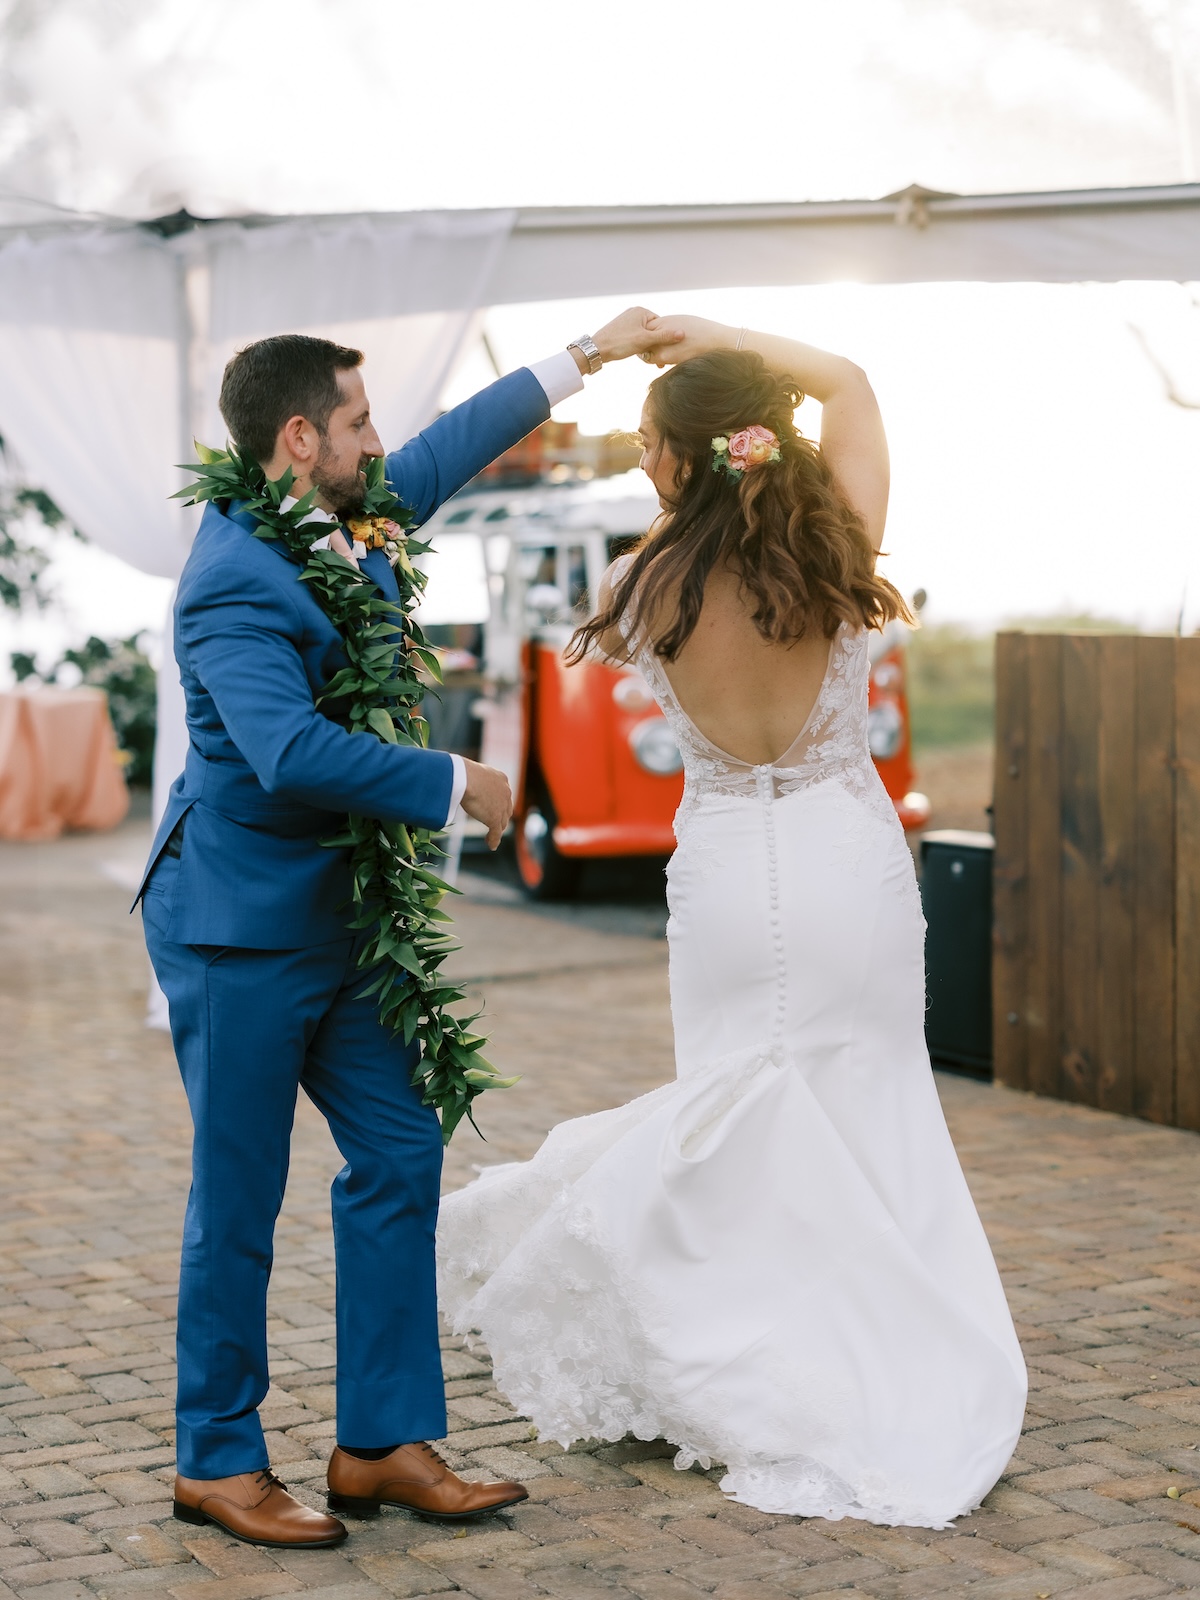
<point x="441" y="458"/>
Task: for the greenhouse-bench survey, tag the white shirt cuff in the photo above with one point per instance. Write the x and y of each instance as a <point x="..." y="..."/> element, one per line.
<point x="558" y="376"/>
<point x="458" y="788"/>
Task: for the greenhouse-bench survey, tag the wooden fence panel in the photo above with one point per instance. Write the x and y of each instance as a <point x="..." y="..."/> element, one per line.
<point x="1010" y="904"/>
<point x="1043" y="964"/>
<point x="1154" y="912"/>
<point x="1079" y="831"/>
<point x="1115" y="676"/>
<point x="1187" y="883"/>
<point x="1097" y="930"/>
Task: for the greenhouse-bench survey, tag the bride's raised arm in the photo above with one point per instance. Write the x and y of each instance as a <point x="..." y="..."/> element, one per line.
<point x="852" y="436"/>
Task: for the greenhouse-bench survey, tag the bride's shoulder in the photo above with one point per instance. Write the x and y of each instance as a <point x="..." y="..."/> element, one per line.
<point x="851" y="644"/>
<point x="617" y="568"/>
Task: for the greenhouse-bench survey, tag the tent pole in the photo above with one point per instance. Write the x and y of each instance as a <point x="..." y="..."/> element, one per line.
<point x="196" y="296"/>
<point x="489" y="352"/>
<point x="170" y="744"/>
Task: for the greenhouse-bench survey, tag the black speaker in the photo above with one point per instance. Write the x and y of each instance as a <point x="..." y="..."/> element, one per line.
<point x="956" y="891"/>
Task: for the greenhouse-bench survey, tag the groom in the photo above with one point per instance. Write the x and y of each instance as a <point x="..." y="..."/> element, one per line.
<point x="245" y="915"/>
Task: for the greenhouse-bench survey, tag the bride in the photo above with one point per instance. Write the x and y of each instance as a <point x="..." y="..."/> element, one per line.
<point x="773" y="1261"/>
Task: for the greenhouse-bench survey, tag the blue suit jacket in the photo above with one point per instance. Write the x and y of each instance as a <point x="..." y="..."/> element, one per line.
<point x="267" y="774"/>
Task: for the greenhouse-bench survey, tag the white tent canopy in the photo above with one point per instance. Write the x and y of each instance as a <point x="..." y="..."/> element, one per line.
<point x="113" y="335"/>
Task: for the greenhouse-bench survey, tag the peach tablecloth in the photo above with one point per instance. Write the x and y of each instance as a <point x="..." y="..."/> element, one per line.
<point x="59" y="766"/>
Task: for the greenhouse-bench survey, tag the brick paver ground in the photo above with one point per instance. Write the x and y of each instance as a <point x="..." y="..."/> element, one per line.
<point x="1095" y="1221"/>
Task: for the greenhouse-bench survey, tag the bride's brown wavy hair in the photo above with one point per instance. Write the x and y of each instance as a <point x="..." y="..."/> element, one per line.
<point x="802" y="553"/>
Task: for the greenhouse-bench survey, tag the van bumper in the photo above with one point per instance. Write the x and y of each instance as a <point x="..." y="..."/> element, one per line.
<point x="615" y="839"/>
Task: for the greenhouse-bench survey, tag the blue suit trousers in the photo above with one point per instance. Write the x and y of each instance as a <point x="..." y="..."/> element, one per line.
<point x="251" y="1027"/>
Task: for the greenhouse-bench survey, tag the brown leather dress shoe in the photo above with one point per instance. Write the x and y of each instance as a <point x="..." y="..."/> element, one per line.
<point x="255" y="1507"/>
<point x="414" y="1476"/>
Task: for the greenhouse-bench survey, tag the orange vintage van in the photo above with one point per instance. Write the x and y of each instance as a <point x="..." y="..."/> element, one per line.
<point x="593" y="764"/>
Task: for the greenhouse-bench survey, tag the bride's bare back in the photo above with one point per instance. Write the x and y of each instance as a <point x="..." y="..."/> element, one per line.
<point x="750" y="697"/>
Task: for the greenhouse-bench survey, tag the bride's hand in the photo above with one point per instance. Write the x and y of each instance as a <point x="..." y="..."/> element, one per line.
<point x="630" y="335"/>
<point x="680" y="338"/>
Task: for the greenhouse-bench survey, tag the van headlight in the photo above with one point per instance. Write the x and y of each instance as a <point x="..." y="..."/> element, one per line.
<point x="654" y="748"/>
<point x="632" y="693"/>
<point x="885" y="729"/>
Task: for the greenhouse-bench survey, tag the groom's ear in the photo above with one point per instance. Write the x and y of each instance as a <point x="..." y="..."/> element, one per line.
<point x="296" y="447"/>
<point x="299" y="439"/>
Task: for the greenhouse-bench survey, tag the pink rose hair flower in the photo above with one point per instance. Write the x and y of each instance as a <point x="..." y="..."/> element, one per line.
<point x="750" y="447"/>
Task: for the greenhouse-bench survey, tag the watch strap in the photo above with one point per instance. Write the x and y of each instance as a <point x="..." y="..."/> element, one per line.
<point x="587" y="347"/>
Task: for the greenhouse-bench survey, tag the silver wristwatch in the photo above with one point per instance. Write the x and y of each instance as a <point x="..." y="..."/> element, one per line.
<point x="587" y="347"/>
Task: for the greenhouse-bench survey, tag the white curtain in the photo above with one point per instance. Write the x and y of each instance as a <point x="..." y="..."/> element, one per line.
<point x="406" y="290"/>
<point x="90" y="385"/>
<point x="113" y="341"/>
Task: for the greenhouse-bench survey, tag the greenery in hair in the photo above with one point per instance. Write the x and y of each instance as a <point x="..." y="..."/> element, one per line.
<point x="397" y="894"/>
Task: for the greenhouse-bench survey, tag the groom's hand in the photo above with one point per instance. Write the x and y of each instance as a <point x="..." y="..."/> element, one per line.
<point x="488" y="799"/>
<point x="631" y="333"/>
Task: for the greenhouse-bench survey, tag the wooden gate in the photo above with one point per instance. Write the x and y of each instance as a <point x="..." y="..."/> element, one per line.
<point x="1097" y="871"/>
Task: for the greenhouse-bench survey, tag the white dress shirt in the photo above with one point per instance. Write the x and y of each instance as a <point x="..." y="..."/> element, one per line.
<point x="560" y="377"/>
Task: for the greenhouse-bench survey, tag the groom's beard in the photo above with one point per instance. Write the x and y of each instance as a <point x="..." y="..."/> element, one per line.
<point x="343" y="492"/>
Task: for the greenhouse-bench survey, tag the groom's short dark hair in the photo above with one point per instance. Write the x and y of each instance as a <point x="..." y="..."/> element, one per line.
<point x="291" y="375"/>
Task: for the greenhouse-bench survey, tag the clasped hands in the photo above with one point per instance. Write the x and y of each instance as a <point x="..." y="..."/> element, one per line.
<point x="662" y="341"/>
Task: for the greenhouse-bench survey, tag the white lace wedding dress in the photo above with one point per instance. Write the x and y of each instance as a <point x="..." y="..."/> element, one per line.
<point x="773" y="1261"/>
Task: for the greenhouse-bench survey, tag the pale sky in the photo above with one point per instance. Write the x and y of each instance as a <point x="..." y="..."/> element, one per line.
<point x="1037" y="464"/>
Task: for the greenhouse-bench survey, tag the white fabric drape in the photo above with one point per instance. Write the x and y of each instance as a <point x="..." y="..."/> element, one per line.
<point x="113" y="341"/>
<point x="406" y="290"/>
<point x="408" y="361"/>
<point x="90" y="385"/>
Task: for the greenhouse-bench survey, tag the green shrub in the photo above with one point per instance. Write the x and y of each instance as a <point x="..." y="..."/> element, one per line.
<point x="951" y="690"/>
<point x="951" y="677"/>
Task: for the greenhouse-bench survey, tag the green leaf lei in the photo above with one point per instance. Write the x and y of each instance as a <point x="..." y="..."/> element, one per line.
<point x="397" y="896"/>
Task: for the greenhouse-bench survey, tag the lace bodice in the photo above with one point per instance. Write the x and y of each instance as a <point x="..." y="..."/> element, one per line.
<point x="831" y="746"/>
